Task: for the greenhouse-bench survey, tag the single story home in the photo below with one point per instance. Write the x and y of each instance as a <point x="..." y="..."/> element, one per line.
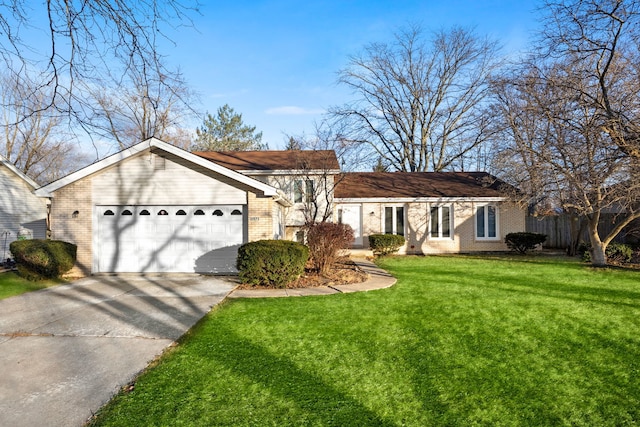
<point x="22" y="213"/>
<point x="157" y="208"/>
<point x="436" y="212"/>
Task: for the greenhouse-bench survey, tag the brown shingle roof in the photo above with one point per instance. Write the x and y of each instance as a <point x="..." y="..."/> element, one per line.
<point x="417" y="184"/>
<point x="273" y="160"/>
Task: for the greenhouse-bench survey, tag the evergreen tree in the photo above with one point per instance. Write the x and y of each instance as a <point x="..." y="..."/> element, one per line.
<point x="227" y="132"/>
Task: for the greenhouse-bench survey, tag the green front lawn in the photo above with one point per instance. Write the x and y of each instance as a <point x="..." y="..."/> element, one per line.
<point x="457" y="341"/>
<point x="11" y="285"/>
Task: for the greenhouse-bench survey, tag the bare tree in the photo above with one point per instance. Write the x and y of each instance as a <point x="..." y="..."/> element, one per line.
<point x="574" y="119"/>
<point x="600" y="39"/>
<point x="35" y="140"/>
<point x="313" y="182"/>
<point x="145" y="103"/>
<point x="556" y="151"/>
<point x="420" y="106"/>
<point x="78" y="41"/>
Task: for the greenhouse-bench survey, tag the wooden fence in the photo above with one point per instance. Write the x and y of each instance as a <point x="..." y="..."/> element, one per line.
<point x="558" y="229"/>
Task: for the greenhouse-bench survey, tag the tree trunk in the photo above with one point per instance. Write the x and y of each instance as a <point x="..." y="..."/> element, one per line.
<point x="577" y="228"/>
<point x="598" y="255"/>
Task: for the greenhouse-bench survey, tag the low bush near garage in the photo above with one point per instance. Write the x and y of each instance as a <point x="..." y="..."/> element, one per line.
<point x="43" y="259"/>
<point x="271" y="262"/>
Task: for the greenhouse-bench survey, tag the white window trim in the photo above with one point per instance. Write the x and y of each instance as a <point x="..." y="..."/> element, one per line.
<point x="394" y="219"/>
<point x="306" y="196"/>
<point x="451" y="221"/>
<point x="486" y="221"/>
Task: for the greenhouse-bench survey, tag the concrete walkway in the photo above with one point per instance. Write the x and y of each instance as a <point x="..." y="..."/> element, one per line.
<point x="65" y="351"/>
<point x="378" y="279"/>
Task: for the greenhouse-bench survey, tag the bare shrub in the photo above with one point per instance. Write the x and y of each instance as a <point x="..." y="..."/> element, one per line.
<point x="325" y="240"/>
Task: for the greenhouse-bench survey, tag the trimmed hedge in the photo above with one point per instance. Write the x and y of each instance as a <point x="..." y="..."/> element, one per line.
<point x="43" y="259"/>
<point x="523" y="242"/>
<point x="271" y="262"/>
<point x="385" y="244"/>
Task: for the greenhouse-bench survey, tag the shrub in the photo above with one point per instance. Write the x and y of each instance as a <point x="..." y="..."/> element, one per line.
<point x="523" y="242"/>
<point x="325" y="239"/>
<point x="43" y="259"/>
<point x="385" y="244"/>
<point x="617" y="252"/>
<point x="271" y="262"/>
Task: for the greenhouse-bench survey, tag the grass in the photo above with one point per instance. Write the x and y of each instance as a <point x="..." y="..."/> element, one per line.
<point x="11" y="285"/>
<point x="457" y="341"/>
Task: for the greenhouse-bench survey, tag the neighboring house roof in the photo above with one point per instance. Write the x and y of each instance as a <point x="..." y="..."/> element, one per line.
<point x="398" y="185"/>
<point x="273" y="160"/>
<point x="149" y="144"/>
<point x="6" y="163"/>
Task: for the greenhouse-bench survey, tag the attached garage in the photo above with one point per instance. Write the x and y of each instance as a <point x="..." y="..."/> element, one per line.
<point x="155" y="208"/>
<point x="176" y="238"/>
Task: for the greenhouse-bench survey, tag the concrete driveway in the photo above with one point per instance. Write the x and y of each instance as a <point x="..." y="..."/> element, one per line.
<point x="65" y="351"/>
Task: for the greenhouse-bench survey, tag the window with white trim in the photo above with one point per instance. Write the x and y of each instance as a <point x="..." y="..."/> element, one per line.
<point x="303" y="190"/>
<point x="394" y="220"/>
<point x="487" y="222"/>
<point x="441" y="222"/>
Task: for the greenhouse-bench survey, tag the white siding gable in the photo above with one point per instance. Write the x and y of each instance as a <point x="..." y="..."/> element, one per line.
<point x="152" y="179"/>
<point x="19" y="208"/>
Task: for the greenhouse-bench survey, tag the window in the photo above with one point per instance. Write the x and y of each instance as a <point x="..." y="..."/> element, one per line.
<point x="217" y="212"/>
<point x="181" y="212"/>
<point x="199" y="212"/>
<point x="126" y="212"/>
<point x="236" y="212"/>
<point x="303" y="191"/>
<point x="487" y="222"/>
<point x="108" y="212"/>
<point x="394" y="220"/>
<point x="162" y="212"/>
<point x="440" y="222"/>
<point x="144" y="212"/>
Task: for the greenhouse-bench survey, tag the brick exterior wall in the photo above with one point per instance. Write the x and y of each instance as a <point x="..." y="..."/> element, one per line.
<point x="260" y="217"/>
<point x="78" y="230"/>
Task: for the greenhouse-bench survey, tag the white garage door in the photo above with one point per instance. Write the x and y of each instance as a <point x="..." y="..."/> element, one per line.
<point x="200" y="239"/>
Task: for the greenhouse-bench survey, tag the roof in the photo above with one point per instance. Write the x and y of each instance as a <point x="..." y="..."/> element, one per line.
<point x="161" y="145"/>
<point x="274" y="160"/>
<point x="6" y="163"/>
<point x="368" y="185"/>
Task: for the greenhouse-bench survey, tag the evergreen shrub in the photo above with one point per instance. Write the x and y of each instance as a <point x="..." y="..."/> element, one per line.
<point x="524" y="241"/>
<point x="385" y="244"/>
<point x="40" y="259"/>
<point x="271" y="262"/>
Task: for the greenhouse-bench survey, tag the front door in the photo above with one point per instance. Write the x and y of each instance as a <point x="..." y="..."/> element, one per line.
<point x="352" y="215"/>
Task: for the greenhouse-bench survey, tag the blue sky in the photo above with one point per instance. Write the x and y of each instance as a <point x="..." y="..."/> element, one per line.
<point x="275" y="61"/>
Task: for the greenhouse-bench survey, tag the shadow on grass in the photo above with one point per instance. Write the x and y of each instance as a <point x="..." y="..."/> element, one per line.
<point x="320" y="403"/>
<point x="553" y="288"/>
<point x="574" y="281"/>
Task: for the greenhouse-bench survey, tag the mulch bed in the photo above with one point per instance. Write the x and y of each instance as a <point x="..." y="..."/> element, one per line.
<point x="343" y="272"/>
